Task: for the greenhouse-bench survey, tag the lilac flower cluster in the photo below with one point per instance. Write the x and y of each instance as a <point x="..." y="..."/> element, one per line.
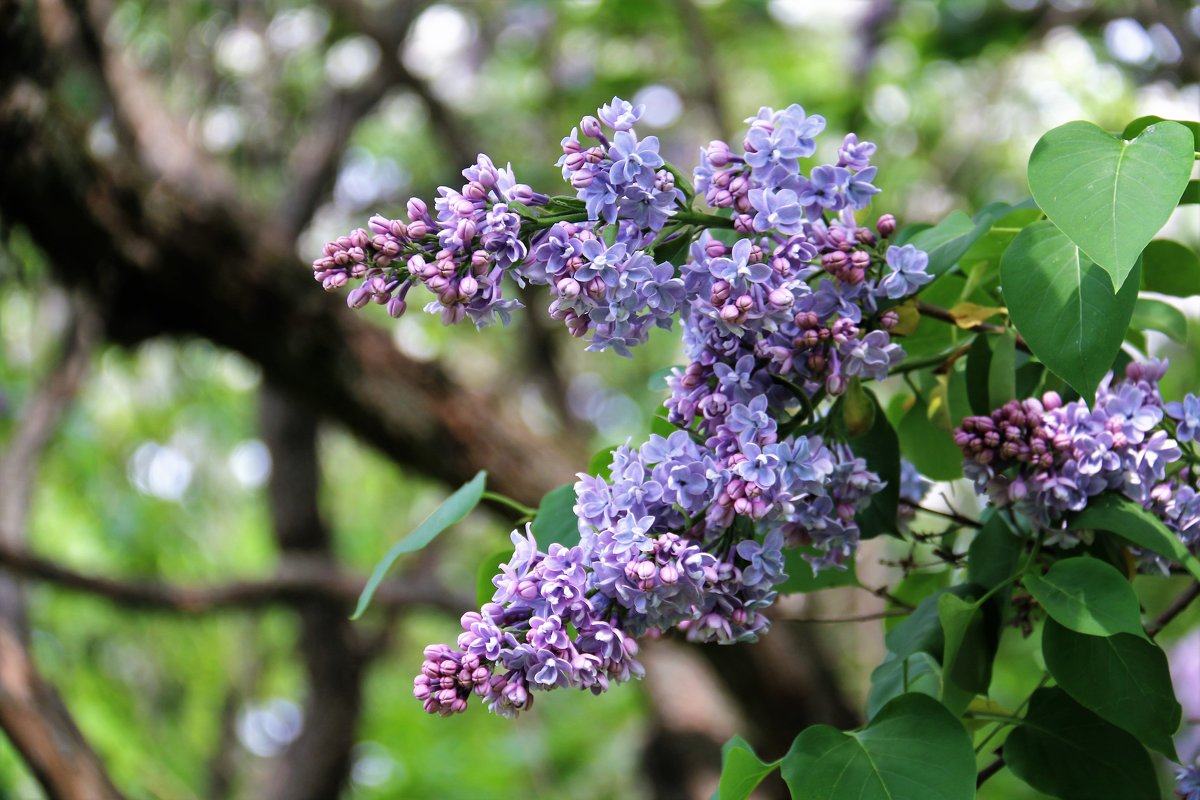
<point x="1046" y="458"/>
<point x="686" y="532"/>
<point x="765" y="187"/>
<point x="598" y="251"/>
<point x="1187" y="782"/>
<point x="541" y="631"/>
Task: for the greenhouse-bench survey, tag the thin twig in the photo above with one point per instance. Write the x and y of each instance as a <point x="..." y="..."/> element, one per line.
<point x="886" y="594"/>
<point x="990" y="770"/>
<point x="944" y="315"/>
<point x="954" y="516"/>
<point x="1174" y="610"/>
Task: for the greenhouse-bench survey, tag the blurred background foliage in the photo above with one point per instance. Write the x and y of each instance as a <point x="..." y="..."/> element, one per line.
<point x="158" y="470"/>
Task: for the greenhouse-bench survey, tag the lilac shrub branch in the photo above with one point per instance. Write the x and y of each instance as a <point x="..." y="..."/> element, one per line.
<point x="784" y="301"/>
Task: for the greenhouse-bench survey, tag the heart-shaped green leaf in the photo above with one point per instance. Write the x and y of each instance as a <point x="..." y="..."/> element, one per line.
<point x="741" y="770"/>
<point x="1109" y="195"/>
<point x="1088" y="596"/>
<point x="913" y="748"/>
<point x="1123" y="678"/>
<point x="1064" y="305"/>
<point x="1122" y="516"/>
<point x="919" y="672"/>
<point x="1066" y="751"/>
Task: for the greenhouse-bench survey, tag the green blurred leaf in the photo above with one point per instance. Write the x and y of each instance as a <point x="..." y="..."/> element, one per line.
<point x="1002" y="370"/>
<point x="600" y="463"/>
<point x="800" y="577"/>
<point x="450" y="512"/>
<point x="970" y="644"/>
<point x="1088" y="596"/>
<point x="488" y="569"/>
<point x="1109" y="195"/>
<point x="657" y="381"/>
<point x="741" y="770"/>
<point x="913" y="748"/>
<point x="951" y="238"/>
<point x="979" y="364"/>
<point x="1066" y="751"/>
<point x="556" y="520"/>
<point x="1122" y="678"/>
<point x="994" y="553"/>
<point x="931" y="449"/>
<point x="1064" y="305"/>
<point x="919" y="672"/>
<point x="1170" y="268"/>
<point x="1155" y="315"/>
<point x="1122" y="516"/>
<point x="880" y="448"/>
<point x="1191" y="195"/>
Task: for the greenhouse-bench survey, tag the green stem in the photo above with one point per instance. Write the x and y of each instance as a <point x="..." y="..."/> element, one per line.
<point x="520" y="508"/>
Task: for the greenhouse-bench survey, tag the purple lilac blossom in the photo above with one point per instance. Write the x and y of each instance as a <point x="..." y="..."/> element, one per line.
<point x="1046" y="458"/>
<point x="686" y="532"/>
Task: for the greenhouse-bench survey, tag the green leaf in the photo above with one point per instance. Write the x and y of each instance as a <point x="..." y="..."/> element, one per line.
<point x="913" y="748"/>
<point x="1111" y="196"/>
<point x="741" y="770"/>
<point x="1120" y="515"/>
<point x="1170" y="268"/>
<point x="556" y="520"/>
<point x="1066" y="751"/>
<point x="1002" y="372"/>
<point x="1122" y="678"/>
<point x="450" y="512"/>
<point x="979" y="363"/>
<point x="488" y="569"/>
<point x="1155" y="315"/>
<point x="662" y="426"/>
<point x="1191" y="195"/>
<point x="919" y="672"/>
<point x="880" y="448"/>
<point x="950" y="239"/>
<point x="1141" y="123"/>
<point x="1088" y="596"/>
<point x="970" y="644"/>
<point x="800" y="577"/>
<point x="994" y="553"/>
<point x="921" y="631"/>
<point x="1064" y="305"/>
<point x="674" y="251"/>
<point x="601" y="462"/>
<point x="931" y="449"/>
<point x="945" y="242"/>
<point x="657" y="381"/>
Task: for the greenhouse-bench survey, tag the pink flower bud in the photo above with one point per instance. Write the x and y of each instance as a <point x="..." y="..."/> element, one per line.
<point x="568" y="288"/>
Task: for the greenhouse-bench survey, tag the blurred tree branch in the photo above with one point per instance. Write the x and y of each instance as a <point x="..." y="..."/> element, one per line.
<point x="317" y="764"/>
<point x="299" y="580"/>
<point x="162" y="260"/>
<point x="32" y="714"/>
